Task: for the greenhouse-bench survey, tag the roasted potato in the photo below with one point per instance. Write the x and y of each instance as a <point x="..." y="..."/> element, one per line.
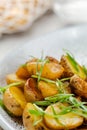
<point x="31" y="91"/>
<point x="47" y="89"/>
<point x="79" y="86"/>
<point x="12" y="78"/>
<point x="50" y="70"/>
<point x="52" y="59"/>
<point x="29" y="119"/>
<point x="69" y="120"/>
<point x="71" y="67"/>
<point x="14" y="100"/>
<point x="22" y="72"/>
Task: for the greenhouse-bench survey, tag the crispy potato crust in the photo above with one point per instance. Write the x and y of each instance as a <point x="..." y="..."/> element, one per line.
<point x="79" y="86"/>
<point x="31" y="91"/>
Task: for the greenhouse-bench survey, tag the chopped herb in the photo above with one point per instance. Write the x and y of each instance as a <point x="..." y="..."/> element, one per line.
<point x="59" y="83"/>
<point x="43" y="103"/>
<point x="43" y="62"/>
<point x="43" y="79"/>
<point x="56" y="118"/>
<point x="84" y="69"/>
<point x="38" y="121"/>
<point x="66" y="98"/>
<point x="64" y="79"/>
<point x="37" y="112"/>
<point x="73" y="61"/>
<point x="71" y="108"/>
<point x="1" y="103"/>
<point x="3" y="89"/>
<point x="60" y="86"/>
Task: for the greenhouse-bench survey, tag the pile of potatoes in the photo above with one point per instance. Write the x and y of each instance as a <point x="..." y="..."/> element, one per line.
<point x="19" y="99"/>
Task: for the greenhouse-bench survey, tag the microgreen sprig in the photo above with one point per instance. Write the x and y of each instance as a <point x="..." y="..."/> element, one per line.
<point x="57" y="115"/>
<point x="3" y="89"/>
<point x="73" y="61"/>
<point x="84" y="69"/>
<point x="43" y="62"/>
<point x="59" y="83"/>
<point x="65" y="98"/>
<point x="1" y="103"/>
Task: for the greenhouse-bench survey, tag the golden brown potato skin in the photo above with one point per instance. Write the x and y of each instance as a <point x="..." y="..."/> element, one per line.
<point x="70" y="68"/>
<point x="31" y="91"/>
<point x="69" y="120"/>
<point x="12" y="78"/>
<point x="67" y="70"/>
<point x="52" y="59"/>
<point x="11" y="104"/>
<point x="50" y="70"/>
<point x="14" y="100"/>
<point x="29" y="119"/>
<point x="79" y="86"/>
<point x="22" y="72"/>
<point x="47" y="89"/>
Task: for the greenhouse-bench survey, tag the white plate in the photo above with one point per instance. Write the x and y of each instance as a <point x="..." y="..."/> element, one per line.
<point x="74" y="39"/>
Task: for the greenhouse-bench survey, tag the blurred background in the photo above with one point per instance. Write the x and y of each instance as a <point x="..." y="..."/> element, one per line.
<point x="24" y="20"/>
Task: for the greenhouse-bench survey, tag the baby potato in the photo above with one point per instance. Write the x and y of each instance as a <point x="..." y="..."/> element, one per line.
<point x="79" y="86"/>
<point x="22" y="72"/>
<point x="29" y="119"/>
<point x="12" y="78"/>
<point x="47" y="89"/>
<point x="14" y="100"/>
<point x="31" y="91"/>
<point x="69" y="120"/>
<point x="50" y="70"/>
<point x="71" y="67"/>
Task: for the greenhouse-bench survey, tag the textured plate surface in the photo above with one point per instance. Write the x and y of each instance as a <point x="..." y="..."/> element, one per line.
<point x="73" y="39"/>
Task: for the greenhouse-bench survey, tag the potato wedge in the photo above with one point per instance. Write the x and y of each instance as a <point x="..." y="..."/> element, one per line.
<point x="31" y="91"/>
<point x="11" y="78"/>
<point x="29" y="119"/>
<point x="50" y="70"/>
<point x="47" y="89"/>
<point x="22" y="72"/>
<point x="69" y="120"/>
<point x="14" y="100"/>
<point x="71" y="67"/>
<point x="79" y="86"/>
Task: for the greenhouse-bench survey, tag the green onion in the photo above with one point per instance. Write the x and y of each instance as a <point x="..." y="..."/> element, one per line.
<point x="43" y="62"/>
<point x="65" y="98"/>
<point x="57" y="117"/>
<point x="64" y="79"/>
<point x="59" y="83"/>
<point x="1" y="103"/>
<point x="38" y="121"/>
<point x="73" y="61"/>
<point x="3" y="89"/>
<point x="84" y="69"/>
<point x="43" y="79"/>
<point x="43" y="103"/>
